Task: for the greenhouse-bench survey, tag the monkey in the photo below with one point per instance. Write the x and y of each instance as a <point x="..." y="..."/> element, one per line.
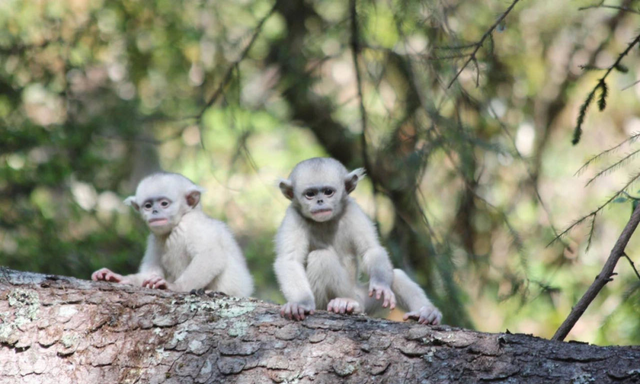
<point x="326" y="241"/>
<point x="186" y="249"/>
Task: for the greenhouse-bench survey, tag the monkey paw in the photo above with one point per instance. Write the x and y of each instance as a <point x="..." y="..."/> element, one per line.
<point x="156" y="282"/>
<point x="344" y="305"/>
<point x="105" y="274"/>
<point x="382" y="291"/>
<point x="425" y="315"/>
<point x="295" y="311"/>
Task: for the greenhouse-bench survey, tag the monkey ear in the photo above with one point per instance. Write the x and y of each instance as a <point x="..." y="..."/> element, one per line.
<point x="131" y="201"/>
<point x="287" y="188"/>
<point x="193" y="196"/>
<point x="352" y="178"/>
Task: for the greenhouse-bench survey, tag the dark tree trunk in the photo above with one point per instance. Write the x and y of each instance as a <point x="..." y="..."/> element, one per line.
<point x="63" y="330"/>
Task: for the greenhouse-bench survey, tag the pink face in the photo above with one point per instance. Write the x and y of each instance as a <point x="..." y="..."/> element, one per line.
<point x="320" y="202"/>
<point x="157" y="212"/>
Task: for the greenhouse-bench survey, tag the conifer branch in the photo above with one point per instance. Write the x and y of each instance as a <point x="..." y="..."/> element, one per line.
<point x="597" y="210"/>
<point x="631" y="139"/>
<point x="602" y="100"/>
<point x="577" y="133"/>
<point x="229" y="74"/>
<point x="612" y="167"/>
<point x="478" y="45"/>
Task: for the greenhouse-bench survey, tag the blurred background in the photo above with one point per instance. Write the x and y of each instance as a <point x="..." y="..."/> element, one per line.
<point x="470" y="178"/>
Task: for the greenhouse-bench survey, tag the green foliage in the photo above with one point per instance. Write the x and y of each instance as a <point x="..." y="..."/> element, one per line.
<point x="466" y="184"/>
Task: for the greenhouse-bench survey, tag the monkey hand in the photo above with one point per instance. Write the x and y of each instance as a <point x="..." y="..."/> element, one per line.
<point x="296" y="311"/>
<point x="157" y="282"/>
<point x="425" y="315"/>
<point x="105" y="274"/>
<point x="382" y="290"/>
<point x="344" y="305"/>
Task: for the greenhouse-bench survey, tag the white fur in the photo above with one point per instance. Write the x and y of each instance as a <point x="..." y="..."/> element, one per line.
<point x="195" y="251"/>
<point x="318" y="262"/>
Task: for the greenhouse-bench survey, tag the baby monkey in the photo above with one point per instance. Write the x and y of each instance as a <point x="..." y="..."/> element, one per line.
<point x="326" y="240"/>
<point x="186" y="248"/>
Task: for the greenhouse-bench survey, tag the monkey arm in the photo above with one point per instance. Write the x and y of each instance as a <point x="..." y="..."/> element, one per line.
<point x="209" y="260"/>
<point x="292" y="248"/>
<point x="149" y="266"/>
<point x="412" y="298"/>
<point x="375" y="259"/>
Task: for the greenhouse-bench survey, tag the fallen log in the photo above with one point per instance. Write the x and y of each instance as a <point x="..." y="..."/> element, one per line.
<point x="56" y="329"/>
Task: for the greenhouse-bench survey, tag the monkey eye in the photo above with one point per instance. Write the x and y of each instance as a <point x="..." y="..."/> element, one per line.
<point x="328" y="192"/>
<point x="164" y="203"/>
<point x="309" y="194"/>
<point x="148" y="205"/>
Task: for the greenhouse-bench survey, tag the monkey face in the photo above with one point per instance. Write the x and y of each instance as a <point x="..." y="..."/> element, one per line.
<point x="321" y="203"/>
<point x="162" y="199"/>
<point x="318" y="188"/>
<point x="160" y="214"/>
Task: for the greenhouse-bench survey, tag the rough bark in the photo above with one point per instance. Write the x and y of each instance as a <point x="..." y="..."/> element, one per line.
<point x="63" y="330"/>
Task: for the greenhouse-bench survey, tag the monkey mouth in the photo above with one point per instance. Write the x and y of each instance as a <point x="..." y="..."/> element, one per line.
<point x="157" y="222"/>
<point x="321" y="212"/>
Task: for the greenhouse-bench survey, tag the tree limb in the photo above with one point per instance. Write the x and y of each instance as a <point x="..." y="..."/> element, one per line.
<point x="59" y="330"/>
<point x="602" y="279"/>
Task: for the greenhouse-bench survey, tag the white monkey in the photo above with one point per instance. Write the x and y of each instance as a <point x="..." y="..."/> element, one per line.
<point x="326" y="240"/>
<point x="186" y="248"/>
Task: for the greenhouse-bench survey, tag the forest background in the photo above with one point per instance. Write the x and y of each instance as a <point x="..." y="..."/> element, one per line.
<point x="463" y="113"/>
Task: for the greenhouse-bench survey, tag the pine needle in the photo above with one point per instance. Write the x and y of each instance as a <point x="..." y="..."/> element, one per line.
<point x="602" y="100"/>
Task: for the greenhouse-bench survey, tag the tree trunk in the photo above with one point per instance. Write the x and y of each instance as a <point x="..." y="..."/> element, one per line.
<point x="64" y="330"/>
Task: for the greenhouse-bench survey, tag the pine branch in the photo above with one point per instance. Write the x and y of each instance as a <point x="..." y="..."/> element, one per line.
<point x="602" y="100"/>
<point x="631" y="139"/>
<point x="229" y="74"/>
<point x="577" y="133"/>
<point x="595" y="212"/>
<point x="478" y="45"/>
<point x="613" y="166"/>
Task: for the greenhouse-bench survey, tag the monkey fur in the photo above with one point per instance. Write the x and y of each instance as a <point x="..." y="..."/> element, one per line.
<point x="325" y="241"/>
<point x="186" y="249"/>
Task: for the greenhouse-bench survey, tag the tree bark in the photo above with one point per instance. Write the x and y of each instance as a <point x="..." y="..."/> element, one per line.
<point x="63" y="330"/>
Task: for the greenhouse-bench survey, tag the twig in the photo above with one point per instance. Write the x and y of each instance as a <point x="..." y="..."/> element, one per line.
<point x="602" y="279"/>
<point x="472" y="56"/>
<point x="612" y="166"/>
<point x="524" y="162"/>
<point x="599" y="155"/>
<point x="633" y="266"/>
<point x="355" y="51"/>
<point x="630" y="85"/>
<point x="229" y="74"/>
<point x="600" y="208"/>
<point x="602" y="5"/>
<point x="600" y="84"/>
